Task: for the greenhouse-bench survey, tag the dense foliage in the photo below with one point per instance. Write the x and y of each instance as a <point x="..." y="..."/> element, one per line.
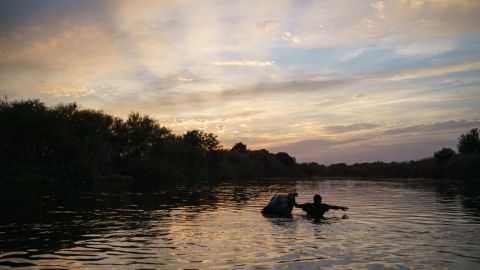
<point x="469" y="143"/>
<point x="64" y="143"/>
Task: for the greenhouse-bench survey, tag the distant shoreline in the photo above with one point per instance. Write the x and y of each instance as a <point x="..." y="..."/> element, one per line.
<point x="64" y="143"/>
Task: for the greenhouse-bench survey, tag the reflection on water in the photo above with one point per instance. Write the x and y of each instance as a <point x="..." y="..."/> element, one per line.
<point x="390" y="225"/>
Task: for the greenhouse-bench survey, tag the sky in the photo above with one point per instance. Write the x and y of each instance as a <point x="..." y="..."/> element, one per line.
<point x="326" y="81"/>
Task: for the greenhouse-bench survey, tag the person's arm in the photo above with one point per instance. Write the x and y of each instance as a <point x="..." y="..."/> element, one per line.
<point x="299" y="205"/>
<point x="335" y="207"/>
<point x="291" y="198"/>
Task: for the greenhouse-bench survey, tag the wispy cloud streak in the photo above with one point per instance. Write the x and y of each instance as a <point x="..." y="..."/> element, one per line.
<point x="242" y="63"/>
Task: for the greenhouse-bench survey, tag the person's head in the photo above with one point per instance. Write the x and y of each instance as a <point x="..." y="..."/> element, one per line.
<point x="292" y="195"/>
<point x="317" y="199"/>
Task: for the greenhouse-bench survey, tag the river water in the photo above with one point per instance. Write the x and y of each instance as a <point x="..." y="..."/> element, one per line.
<point x="396" y="224"/>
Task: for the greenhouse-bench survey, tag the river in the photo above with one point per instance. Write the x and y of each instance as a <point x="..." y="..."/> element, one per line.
<point x="391" y="224"/>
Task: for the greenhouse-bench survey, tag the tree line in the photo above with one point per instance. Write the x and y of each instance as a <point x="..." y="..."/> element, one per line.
<point x="64" y="143"/>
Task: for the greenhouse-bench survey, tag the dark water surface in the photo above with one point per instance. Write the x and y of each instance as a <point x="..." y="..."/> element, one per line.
<point x="416" y="224"/>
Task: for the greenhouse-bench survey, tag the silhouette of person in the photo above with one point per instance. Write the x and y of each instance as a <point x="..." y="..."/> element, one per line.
<point x="280" y="205"/>
<point x="317" y="208"/>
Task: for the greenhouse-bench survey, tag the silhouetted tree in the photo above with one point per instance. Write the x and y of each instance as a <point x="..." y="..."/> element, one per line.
<point x="141" y="134"/>
<point x="469" y="143"/>
<point x="240" y="147"/>
<point x="338" y="169"/>
<point x="201" y="140"/>
<point x="443" y="155"/>
<point x="310" y="169"/>
<point x="285" y="159"/>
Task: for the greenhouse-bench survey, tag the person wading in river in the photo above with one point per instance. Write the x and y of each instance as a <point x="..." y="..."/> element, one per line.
<point x="317" y="208"/>
<point x="280" y="205"/>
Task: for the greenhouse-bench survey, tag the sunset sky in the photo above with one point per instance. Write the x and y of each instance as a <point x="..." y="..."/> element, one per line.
<point x="326" y="81"/>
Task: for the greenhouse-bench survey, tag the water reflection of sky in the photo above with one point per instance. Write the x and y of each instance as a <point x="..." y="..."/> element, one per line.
<point x="413" y="224"/>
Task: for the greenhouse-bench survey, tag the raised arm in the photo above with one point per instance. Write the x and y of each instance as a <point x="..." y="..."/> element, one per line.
<point x="335" y="207"/>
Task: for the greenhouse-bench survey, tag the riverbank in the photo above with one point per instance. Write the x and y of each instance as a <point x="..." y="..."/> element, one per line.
<point x="63" y="143"/>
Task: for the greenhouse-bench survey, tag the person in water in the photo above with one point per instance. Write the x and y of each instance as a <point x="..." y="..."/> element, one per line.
<point x="280" y="205"/>
<point x="317" y="208"/>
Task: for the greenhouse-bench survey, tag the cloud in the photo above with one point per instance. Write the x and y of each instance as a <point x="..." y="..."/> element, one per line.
<point x="70" y="47"/>
<point x="387" y="22"/>
<point x="436" y="70"/>
<point x="288" y="36"/>
<point x="379" y="6"/>
<point x="242" y="63"/>
<point x="351" y="128"/>
<point x="351" y="55"/>
<point x="254" y="92"/>
<point x="418" y="4"/>
<point x="221" y="128"/>
<point x="182" y="78"/>
<point x="425" y="49"/>
<point x="418" y="141"/>
<point x="313" y="147"/>
<point x="305" y="145"/>
<point x="67" y="89"/>
<point x="169" y="82"/>
<point x="243" y="114"/>
<point x="421" y="20"/>
<point x="217" y="118"/>
<point x="371" y="152"/>
<point x="364" y="150"/>
<point x="434" y="127"/>
<point x="265" y="25"/>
